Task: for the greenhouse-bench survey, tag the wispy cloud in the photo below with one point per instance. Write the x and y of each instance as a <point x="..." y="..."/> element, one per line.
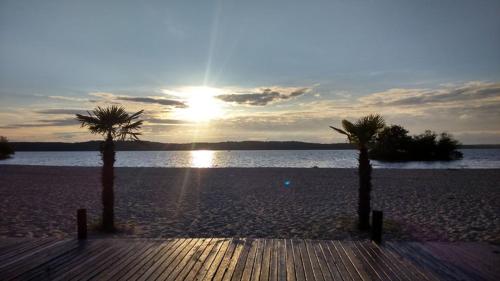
<point x="266" y="96"/>
<point x="44" y="123"/>
<point x="160" y="121"/>
<point x="66" y="98"/>
<point x="61" y="111"/>
<point x="113" y="98"/>
<point x="472" y="91"/>
<point x="160" y="101"/>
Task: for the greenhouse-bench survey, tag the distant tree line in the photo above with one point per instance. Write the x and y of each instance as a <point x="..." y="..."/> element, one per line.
<point x="157" y="146"/>
<point x="5" y="148"/>
<point x="394" y="144"/>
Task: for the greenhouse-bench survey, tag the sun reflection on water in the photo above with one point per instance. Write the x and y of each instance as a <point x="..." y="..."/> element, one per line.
<point x="202" y="158"/>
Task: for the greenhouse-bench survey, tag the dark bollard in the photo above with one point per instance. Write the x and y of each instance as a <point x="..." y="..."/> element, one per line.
<point x="377" y="221"/>
<point x="81" y="219"/>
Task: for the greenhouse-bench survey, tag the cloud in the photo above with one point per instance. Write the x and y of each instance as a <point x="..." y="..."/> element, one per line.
<point x="44" y="123"/>
<point x="67" y="98"/>
<point x="112" y="98"/>
<point x="166" y="121"/>
<point x="262" y="98"/>
<point x="472" y="91"/>
<point x="61" y="111"/>
<point x="160" y="101"/>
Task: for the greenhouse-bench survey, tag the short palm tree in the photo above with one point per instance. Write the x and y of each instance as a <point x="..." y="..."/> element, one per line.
<point x="362" y="133"/>
<point x="112" y="122"/>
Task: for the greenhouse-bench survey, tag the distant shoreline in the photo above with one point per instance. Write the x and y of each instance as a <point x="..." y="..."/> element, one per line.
<point x="241" y="145"/>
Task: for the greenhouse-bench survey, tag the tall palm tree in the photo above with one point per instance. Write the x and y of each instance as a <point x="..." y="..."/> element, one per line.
<point x="361" y="133"/>
<point x="112" y="122"/>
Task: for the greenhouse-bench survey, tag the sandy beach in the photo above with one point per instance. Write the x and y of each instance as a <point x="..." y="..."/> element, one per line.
<point x="427" y="205"/>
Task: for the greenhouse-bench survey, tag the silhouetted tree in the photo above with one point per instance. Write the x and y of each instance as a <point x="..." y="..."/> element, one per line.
<point x="423" y="146"/>
<point x="6" y="149"/>
<point x="112" y="122"/>
<point x="392" y="143"/>
<point x="446" y="148"/>
<point x="361" y="133"/>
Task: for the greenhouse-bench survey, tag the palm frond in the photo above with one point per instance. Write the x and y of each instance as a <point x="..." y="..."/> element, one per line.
<point x="363" y="130"/>
<point x="340" y="131"/>
<point x="349" y="127"/>
<point x="112" y="121"/>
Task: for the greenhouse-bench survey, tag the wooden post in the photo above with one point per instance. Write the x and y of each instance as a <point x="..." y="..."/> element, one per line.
<point x="377" y="221"/>
<point x="81" y="219"/>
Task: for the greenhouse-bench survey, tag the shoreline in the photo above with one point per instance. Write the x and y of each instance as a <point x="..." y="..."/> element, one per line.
<point x="418" y="204"/>
<point x="249" y="168"/>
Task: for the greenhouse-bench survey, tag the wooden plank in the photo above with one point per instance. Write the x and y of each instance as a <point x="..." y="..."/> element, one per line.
<point x="346" y="261"/>
<point x="363" y="268"/>
<point x="304" y="258"/>
<point x="63" y="264"/>
<point x="86" y="262"/>
<point x="98" y="266"/>
<point x="252" y="256"/>
<point x="242" y="260"/>
<point x="40" y="257"/>
<point x="297" y="261"/>
<point x="233" y="262"/>
<point x="126" y="248"/>
<point x="266" y="259"/>
<point x="316" y="268"/>
<point x="146" y="259"/>
<point x="219" y="246"/>
<point x="315" y="249"/>
<point x="25" y="250"/>
<point x="406" y="264"/>
<point x="368" y="262"/>
<point x="274" y="266"/>
<point x="281" y="259"/>
<point x="423" y="260"/>
<point x="245" y="259"/>
<point x="335" y="266"/>
<point x="195" y="258"/>
<point x="290" y="264"/>
<point x="210" y="273"/>
<point x="163" y="261"/>
<point x="182" y="260"/>
<point x="257" y="266"/>
<point x="202" y="259"/>
<point x="224" y="264"/>
<point x="20" y="248"/>
<point x="394" y="268"/>
<point x="126" y="261"/>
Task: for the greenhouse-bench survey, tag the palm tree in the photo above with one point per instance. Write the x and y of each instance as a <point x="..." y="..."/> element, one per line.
<point x="112" y="122"/>
<point x="361" y="133"/>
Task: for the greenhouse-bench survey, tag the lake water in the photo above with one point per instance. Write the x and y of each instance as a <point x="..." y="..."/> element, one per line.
<point x="473" y="158"/>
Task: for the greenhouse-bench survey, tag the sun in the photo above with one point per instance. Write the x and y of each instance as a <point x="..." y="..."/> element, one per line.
<point x="202" y="106"/>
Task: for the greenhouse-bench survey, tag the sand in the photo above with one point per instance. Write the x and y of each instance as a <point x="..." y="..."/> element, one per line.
<point x="424" y="205"/>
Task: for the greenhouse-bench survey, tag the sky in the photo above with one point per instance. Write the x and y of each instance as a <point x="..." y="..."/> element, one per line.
<point x="250" y="70"/>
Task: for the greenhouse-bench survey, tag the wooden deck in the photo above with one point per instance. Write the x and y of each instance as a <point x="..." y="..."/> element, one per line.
<point x="244" y="259"/>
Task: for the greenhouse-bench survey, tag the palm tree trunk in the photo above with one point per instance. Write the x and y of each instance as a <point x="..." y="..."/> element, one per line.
<point x="108" y="159"/>
<point x="365" y="171"/>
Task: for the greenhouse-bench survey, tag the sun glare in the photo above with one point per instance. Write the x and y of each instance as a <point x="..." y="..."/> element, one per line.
<point x="202" y="105"/>
<point x="202" y="158"/>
